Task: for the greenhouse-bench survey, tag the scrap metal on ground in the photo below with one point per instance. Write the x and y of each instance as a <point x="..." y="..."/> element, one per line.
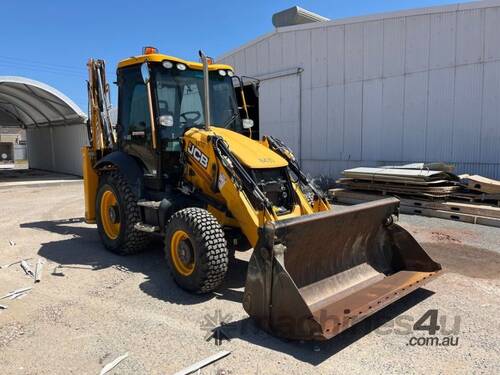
<point x="16" y="292"/>
<point x="111" y="365"/>
<point x="204" y="362"/>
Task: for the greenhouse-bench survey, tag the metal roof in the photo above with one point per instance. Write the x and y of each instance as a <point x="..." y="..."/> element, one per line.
<point x="28" y="103"/>
<point x="459" y="6"/>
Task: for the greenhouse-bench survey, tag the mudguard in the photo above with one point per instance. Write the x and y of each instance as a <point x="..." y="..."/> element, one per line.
<point x="128" y="166"/>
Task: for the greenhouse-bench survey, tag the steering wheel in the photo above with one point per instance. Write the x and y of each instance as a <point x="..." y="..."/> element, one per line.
<point x="191" y="117"/>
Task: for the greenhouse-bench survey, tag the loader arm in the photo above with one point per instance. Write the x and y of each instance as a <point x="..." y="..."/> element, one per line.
<point x="226" y="189"/>
<point x="231" y="184"/>
<point x="320" y="201"/>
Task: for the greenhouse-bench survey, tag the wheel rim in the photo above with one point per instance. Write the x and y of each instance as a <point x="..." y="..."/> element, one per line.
<point x="110" y="214"/>
<point x="182" y="253"/>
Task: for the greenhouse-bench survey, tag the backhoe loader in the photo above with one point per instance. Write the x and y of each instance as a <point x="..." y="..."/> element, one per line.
<point x="183" y="162"/>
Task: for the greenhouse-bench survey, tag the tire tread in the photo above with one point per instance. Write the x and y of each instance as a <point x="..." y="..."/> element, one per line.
<point x="134" y="241"/>
<point x="208" y="235"/>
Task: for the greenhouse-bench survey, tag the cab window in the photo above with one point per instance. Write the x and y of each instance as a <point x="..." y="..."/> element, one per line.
<point x="133" y="115"/>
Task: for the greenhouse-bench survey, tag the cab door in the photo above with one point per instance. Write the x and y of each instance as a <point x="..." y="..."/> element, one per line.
<point x="134" y="121"/>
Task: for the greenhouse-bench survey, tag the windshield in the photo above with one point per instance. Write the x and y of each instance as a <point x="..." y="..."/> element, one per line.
<point x="180" y="95"/>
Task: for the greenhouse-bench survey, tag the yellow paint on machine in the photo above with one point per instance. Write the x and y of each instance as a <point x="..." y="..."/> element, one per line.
<point x="159" y="57"/>
<point x="90" y="180"/>
<point x="252" y="154"/>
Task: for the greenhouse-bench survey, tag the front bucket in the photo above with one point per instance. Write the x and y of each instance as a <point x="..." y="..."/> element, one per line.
<point x="313" y="276"/>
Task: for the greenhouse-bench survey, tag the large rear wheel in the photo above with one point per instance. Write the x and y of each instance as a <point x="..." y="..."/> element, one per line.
<point x="196" y="250"/>
<point x="116" y="215"/>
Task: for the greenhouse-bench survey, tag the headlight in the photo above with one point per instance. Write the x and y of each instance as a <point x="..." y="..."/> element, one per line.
<point x="167" y="64"/>
<point x="181" y="66"/>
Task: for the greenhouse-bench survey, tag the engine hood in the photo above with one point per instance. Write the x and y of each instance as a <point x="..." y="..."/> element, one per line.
<point x="250" y="153"/>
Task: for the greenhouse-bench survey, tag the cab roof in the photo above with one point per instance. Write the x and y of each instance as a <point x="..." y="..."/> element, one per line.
<point x="159" y="57"/>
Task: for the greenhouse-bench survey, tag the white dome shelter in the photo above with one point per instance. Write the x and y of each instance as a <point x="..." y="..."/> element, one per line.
<point x="55" y="125"/>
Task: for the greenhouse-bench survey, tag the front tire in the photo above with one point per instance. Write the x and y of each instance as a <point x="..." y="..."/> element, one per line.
<point x="196" y="250"/>
<point x="116" y="214"/>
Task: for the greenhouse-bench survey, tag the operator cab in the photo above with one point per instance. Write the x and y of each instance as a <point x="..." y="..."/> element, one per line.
<point x="170" y="91"/>
<point x="179" y="96"/>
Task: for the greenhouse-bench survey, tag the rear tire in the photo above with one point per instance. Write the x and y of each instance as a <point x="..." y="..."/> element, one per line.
<point x="196" y="250"/>
<point x="116" y="215"/>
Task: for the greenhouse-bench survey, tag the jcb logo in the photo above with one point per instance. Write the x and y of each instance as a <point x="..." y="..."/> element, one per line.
<point x="199" y="156"/>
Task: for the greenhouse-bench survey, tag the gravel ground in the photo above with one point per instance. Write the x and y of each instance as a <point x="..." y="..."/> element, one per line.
<point x="92" y="306"/>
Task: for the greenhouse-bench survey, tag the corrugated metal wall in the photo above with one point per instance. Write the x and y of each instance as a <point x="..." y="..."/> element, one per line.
<point x="420" y="85"/>
<point x="57" y="148"/>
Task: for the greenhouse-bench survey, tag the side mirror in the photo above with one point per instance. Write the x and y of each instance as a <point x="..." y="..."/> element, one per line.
<point x="166" y="120"/>
<point x="247" y="123"/>
<point x="255" y="86"/>
<point x="145" y="73"/>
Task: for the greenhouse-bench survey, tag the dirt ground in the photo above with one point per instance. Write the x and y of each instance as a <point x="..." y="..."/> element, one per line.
<point x="92" y="306"/>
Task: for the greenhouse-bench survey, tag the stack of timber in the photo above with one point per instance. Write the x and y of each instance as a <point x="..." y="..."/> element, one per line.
<point x="402" y="180"/>
<point x="483" y="187"/>
<point x="424" y="191"/>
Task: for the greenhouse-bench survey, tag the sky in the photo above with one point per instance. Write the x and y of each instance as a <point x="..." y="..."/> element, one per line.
<point x="51" y="41"/>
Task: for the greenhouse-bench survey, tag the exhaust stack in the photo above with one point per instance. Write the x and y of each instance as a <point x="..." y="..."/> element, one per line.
<point x="206" y="89"/>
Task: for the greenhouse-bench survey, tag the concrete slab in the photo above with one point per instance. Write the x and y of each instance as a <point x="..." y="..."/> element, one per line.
<point x="92" y="306"/>
<point x="34" y="178"/>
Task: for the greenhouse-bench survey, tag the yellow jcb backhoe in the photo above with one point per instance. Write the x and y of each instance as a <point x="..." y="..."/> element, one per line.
<point x="182" y="162"/>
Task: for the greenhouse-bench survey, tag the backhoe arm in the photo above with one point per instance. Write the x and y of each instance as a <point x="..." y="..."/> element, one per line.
<point x="102" y="138"/>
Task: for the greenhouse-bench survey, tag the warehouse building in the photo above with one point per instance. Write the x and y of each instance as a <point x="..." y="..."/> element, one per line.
<point x="54" y="124"/>
<point x="411" y="86"/>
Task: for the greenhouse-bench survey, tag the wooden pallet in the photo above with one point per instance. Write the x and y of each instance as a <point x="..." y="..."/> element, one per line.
<point x="477" y="197"/>
<point x="436" y="191"/>
<point x="482" y="184"/>
<point x="464" y="212"/>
